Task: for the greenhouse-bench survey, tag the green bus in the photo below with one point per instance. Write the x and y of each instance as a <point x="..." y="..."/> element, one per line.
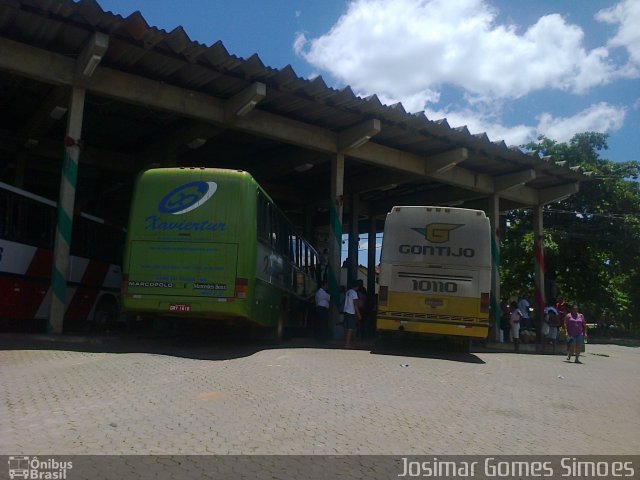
<point x="210" y="244"/>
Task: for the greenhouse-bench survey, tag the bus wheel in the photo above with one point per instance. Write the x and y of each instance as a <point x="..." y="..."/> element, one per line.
<point x="277" y="333"/>
<point x="105" y="314"/>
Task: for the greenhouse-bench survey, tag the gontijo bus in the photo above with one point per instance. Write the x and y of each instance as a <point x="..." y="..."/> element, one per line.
<point x="435" y="272"/>
<point x="210" y="244"/>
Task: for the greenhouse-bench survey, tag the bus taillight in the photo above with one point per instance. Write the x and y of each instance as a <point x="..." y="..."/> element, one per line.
<point x="382" y="295"/>
<point x="123" y="284"/>
<point x="484" y="302"/>
<point x="242" y="287"/>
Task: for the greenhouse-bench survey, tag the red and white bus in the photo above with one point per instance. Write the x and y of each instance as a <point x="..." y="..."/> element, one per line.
<point x="27" y="233"/>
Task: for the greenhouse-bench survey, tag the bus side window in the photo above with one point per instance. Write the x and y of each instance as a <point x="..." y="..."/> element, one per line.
<point x="32" y="223"/>
<point x="264" y="223"/>
<point x="4" y="213"/>
<point x="80" y="240"/>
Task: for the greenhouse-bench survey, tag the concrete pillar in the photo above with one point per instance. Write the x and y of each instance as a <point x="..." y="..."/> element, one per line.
<point x="354" y="239"/>
<point x="66" y="201"/>
<point x="371" y="257"/>
<point x="493" y="213"/>
<point x="538" y="251"/>
<point x="370" y="327"/>
<point x="335" y="232"/>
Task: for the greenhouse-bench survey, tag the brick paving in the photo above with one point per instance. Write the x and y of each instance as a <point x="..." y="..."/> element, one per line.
<point x="146" y="397"/>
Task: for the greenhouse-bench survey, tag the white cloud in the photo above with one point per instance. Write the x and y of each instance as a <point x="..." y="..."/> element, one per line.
<point x="488" y="123"/>
<point x="627" y="15"/>
<point x="600" y="117"/>
<point x="406" y="50"/>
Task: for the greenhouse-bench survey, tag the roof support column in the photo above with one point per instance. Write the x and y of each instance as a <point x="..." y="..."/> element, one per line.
<point x="335" y="232"/>
<point x="354" y="239"/>
<point x="538" y="250"/>
<point x="66" y="200"/>
<point x="496" y="235"/>
<point x="370" y="323"/>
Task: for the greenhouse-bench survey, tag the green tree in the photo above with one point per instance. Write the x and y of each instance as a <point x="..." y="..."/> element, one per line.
<point x="592" y="238"/>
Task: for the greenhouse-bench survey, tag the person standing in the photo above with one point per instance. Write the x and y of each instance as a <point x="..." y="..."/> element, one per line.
<point x="576" y="327"/>
<point x="505" y="321"/>
<point x="552" y="319"/>
<point x="523" y="306"/>
<point x="563" y="309"/>
<point x="514" y="320"/>
<point x="351" y="313"/>
<point x="321" y="323"/>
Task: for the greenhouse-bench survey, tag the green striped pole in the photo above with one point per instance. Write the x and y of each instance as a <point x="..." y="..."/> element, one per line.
<point x="495" y="274"/>
<point x="66" y="201"/>
<point x="335" y="237"/>
<point x="494" y="219"/>
<point x="335" y="233"/>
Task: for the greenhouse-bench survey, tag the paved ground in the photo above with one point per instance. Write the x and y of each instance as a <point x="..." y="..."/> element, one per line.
<point x="111" y="396"/>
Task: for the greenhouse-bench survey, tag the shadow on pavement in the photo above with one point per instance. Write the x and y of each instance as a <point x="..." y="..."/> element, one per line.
<point x="219" y="347"/>
<point x="623" y="342"/>
<point x="439" y="349"/>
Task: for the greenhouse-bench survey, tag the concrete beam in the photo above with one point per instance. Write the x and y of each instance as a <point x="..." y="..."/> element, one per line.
<point x="90" y="57"/>
<point x="555" y="194"/>
<point x="506" y="182"/>
<point x="461" y="177"/>
<point x="288" y="162"/>
<point x="358" y="135"/>
<point x="53" y="149"/>
<point x="379" y="180"/>
<point x="390" y="158"/>
<point x="174" y="141"/>
<point x="521" y="195"/>
<point x="290" y="131"/>
<point x="58" y="69"/>
<point x="244" y="102"/>
<point x="446" y="161"/>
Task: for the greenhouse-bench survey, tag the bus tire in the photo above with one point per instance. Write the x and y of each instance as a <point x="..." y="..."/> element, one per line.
<point x="277" y="334"/>
<point x="105" y="315"/>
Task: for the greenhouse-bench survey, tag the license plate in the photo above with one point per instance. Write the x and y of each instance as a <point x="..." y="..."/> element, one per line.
<point x="180" y="307"/>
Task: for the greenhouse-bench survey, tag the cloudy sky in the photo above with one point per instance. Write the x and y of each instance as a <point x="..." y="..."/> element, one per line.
<point x="512" y="69"/>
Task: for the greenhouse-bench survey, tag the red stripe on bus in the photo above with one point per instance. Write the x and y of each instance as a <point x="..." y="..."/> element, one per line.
<point x="82" y="303"/>
<point x="21" y="298"/>
<point x="87" y="292"/>
<point x="95" y="273"/>
<point x="41" y="264"/>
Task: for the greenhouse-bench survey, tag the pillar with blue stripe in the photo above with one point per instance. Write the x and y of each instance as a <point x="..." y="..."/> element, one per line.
<point x="66" y="201"/>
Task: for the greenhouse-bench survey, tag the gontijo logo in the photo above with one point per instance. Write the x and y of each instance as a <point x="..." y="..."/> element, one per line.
<point x="437" y="232"/>
<point x="187" y="197"/>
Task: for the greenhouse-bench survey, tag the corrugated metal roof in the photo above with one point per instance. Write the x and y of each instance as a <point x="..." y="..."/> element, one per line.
<point x="135" y="47"/>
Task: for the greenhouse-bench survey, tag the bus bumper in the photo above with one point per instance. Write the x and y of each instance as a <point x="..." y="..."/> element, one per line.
<point x="477" y="329"/>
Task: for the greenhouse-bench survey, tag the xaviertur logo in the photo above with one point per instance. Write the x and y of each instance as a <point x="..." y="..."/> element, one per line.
<point x="187" y="197"/>
<point x="437" y="232"/>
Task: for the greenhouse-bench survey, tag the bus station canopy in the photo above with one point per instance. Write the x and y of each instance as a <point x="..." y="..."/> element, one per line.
<point x="157" y="98"/>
